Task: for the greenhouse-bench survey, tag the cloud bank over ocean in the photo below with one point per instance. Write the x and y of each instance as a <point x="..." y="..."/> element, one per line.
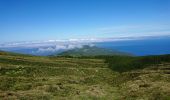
<point x="84" y="41"/>
<point x="56" y="46"/>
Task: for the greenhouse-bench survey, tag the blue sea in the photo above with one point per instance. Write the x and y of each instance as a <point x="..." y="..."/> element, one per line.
<point x="151" y="46"/>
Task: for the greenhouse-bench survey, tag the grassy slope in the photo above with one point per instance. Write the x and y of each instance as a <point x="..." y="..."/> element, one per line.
<point x="27" y="77"/>
<point x="46" y="78"/>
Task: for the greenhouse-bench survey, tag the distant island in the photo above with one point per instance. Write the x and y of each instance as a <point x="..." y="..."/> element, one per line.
<point x="87" y="50"/>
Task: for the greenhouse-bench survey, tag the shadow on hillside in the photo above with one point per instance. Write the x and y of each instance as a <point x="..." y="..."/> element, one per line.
<point x="127" y="63"/>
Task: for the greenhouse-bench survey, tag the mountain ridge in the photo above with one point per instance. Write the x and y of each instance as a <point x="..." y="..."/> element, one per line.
<point x="92" y="51"/>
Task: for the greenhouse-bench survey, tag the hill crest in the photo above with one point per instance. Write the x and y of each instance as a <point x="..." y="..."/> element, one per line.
<point x="92" y="51"/>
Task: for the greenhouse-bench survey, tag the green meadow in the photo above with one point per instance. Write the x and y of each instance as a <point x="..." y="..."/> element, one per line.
<point x="25" y="77"/>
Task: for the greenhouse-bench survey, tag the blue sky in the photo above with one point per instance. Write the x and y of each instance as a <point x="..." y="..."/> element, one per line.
<point x="29" y="20"/>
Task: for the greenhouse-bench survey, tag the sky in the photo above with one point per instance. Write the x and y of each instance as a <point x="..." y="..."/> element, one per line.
<point x="32" y="20"/>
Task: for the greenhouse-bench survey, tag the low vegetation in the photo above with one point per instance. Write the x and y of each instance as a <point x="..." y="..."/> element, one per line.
<point x="127" y="63"/>
<point x="84" y="78"/>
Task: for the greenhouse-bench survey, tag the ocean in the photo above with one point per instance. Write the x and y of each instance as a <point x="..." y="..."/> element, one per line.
<point x="142" y="47"/>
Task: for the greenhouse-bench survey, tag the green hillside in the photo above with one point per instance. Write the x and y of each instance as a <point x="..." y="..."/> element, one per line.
<point x="25" y="77"/>
<point x="91" y="51"/>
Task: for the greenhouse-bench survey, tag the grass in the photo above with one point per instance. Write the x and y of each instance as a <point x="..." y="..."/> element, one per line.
<point x="84" y="78"/>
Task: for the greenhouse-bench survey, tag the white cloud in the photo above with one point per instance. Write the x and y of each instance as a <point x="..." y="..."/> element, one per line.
<point x="53" y="45"/>
<point x="60" y="47"/>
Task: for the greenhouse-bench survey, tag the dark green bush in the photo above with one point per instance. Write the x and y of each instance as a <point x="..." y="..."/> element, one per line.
<point x="127" y="63"/>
